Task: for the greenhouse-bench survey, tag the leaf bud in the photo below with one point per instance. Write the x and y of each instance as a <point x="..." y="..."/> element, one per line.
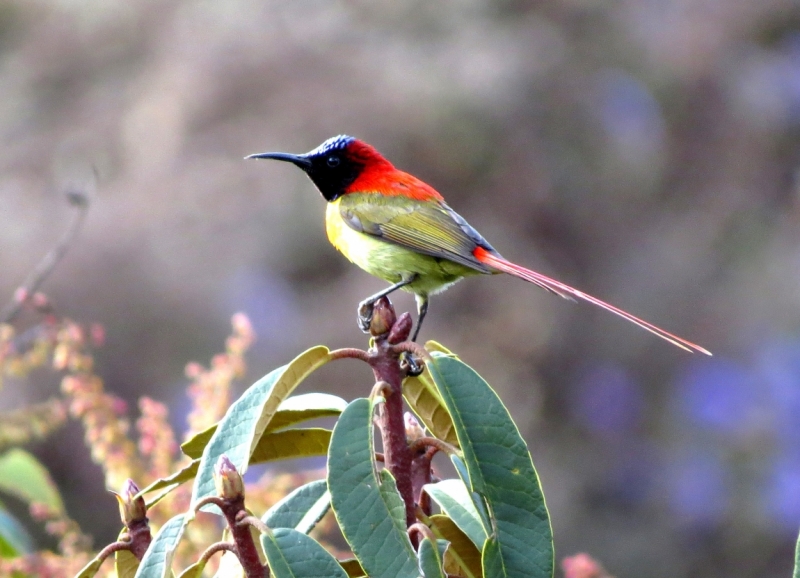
<point x="131" y="506"/>
<point x="227" y="480"/>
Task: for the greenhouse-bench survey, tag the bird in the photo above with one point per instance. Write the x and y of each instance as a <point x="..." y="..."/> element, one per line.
<point x="400" y="229"/>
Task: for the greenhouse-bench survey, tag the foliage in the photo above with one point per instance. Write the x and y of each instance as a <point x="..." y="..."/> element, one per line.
<point x="397" y="517"/>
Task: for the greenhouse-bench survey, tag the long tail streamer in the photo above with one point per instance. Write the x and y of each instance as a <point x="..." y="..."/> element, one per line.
<point x="568" y="292"/>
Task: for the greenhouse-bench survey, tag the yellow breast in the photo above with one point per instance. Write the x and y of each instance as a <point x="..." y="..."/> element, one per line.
<point x="376" y="257"/>
<point x="389" y="261"/>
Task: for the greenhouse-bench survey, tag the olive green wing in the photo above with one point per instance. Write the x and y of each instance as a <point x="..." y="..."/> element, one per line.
<point x="429" y="227"/>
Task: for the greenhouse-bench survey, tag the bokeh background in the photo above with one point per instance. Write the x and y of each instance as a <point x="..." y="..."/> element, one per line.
<point x="644" y="151"/>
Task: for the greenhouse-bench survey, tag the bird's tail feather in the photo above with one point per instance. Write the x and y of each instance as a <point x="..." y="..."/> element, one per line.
<point x="568" y="292"/>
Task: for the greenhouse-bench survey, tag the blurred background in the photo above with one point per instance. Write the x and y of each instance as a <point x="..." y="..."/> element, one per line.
<point x="645" y="152"/>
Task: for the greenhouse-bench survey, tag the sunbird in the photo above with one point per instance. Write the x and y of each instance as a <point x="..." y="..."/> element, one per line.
<point x="398" y="228"/>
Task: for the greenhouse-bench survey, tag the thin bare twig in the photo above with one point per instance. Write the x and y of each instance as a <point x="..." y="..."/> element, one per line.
<point x="213" y="549"/>
<point x="78" y="199"/>
<point x="111" y="548"/>
<point x="349" y="352"/>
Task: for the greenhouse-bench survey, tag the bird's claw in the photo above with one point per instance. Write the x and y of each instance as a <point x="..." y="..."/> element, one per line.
<point x="365" y="311"/>
<point x="412" y="366"/>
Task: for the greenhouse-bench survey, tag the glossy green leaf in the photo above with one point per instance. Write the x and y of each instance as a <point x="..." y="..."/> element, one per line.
<point x="24" y="477"/>
<point x="240" y="430"/>
<point x="430" y="559"/>
<point x="157" y="561"/>
<point x="423" y="398"/>
<point x="500" y="469"/>
<point x="14" y="539"/>
<point x="462" y="557"/>
<point x="456" y="501"/>
<point x="301" y="509"/>
<point x="295" y="409"/>
<point x="293" y="554"/>
<point x="186" y="473"/>
<point x="369" y="510"/>
<point x="291" y="443"/>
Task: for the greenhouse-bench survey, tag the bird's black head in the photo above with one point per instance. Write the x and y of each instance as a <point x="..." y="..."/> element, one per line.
<point x="332" y="166"/>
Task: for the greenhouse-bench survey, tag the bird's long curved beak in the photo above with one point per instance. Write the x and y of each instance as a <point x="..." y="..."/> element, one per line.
<point x="301" y="161"/>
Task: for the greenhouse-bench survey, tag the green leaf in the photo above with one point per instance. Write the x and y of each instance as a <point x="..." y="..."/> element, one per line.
<point x="304" y="407"/>
<point x="456" y="501"/>
<point x="292" y="554"/>
<point x="291" y="443"/>
<point x="294" y="443"/>
<point x="301" y="509"/>
<point x="430" y="559"/>
<point x="24" y="477"/>
<point x="462" y="554"/>
<point x="193" y="571"/>
<point x="240" y="430"/>
<point x="423" y="398"/>
<point x="477" y="499"/>
<point x="188" y="472"/>
<point x="295" y="409"/>
<point x="796" y="573"/>
<point x="14" y="539"/>
<point x="91" y="568"/>
<point x="194" y="446"/>
<point x="157" y="561"/>
<point x="126" y="564"/>
<point x="500" y="469"/>
<point x="369" y="510"/>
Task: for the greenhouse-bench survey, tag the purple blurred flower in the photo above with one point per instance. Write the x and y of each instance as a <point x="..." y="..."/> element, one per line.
<point x="608" y="400"/>
<point x="718" y="394"/>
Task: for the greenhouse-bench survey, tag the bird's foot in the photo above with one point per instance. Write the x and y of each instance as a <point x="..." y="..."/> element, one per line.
<point x="365" y="311"/>
<point x="411" y="365"/>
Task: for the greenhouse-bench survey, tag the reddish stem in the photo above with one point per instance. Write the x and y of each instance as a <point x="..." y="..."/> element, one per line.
<point x="140" y="537"/>
<point x="246" y="549"/>
<point x="384" y="358"/>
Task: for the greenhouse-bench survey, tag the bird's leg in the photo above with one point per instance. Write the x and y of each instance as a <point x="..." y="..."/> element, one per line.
<point x="422" y="310"/>
<point x="414" y="366"/>
<point x="366" y="306"/>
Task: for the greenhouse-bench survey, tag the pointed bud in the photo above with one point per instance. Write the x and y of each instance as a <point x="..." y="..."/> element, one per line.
<point x="383" y="317"/>
<point x="131" y="507"/>
<point x="227" y="480"/>
<point x="414" y="430"/>
<point x="401" y="329"/>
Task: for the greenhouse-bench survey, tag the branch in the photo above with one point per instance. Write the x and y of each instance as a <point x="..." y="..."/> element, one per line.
<point x="230" y="491"/>
<point x="78" y="199"/>
<point x="384" y="358"/>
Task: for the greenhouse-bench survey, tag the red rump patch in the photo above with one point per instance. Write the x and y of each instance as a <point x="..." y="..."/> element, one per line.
<point x="379" y="176"/>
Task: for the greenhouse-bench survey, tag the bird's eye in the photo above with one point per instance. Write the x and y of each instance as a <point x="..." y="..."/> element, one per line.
<point x="333" y="161"/>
